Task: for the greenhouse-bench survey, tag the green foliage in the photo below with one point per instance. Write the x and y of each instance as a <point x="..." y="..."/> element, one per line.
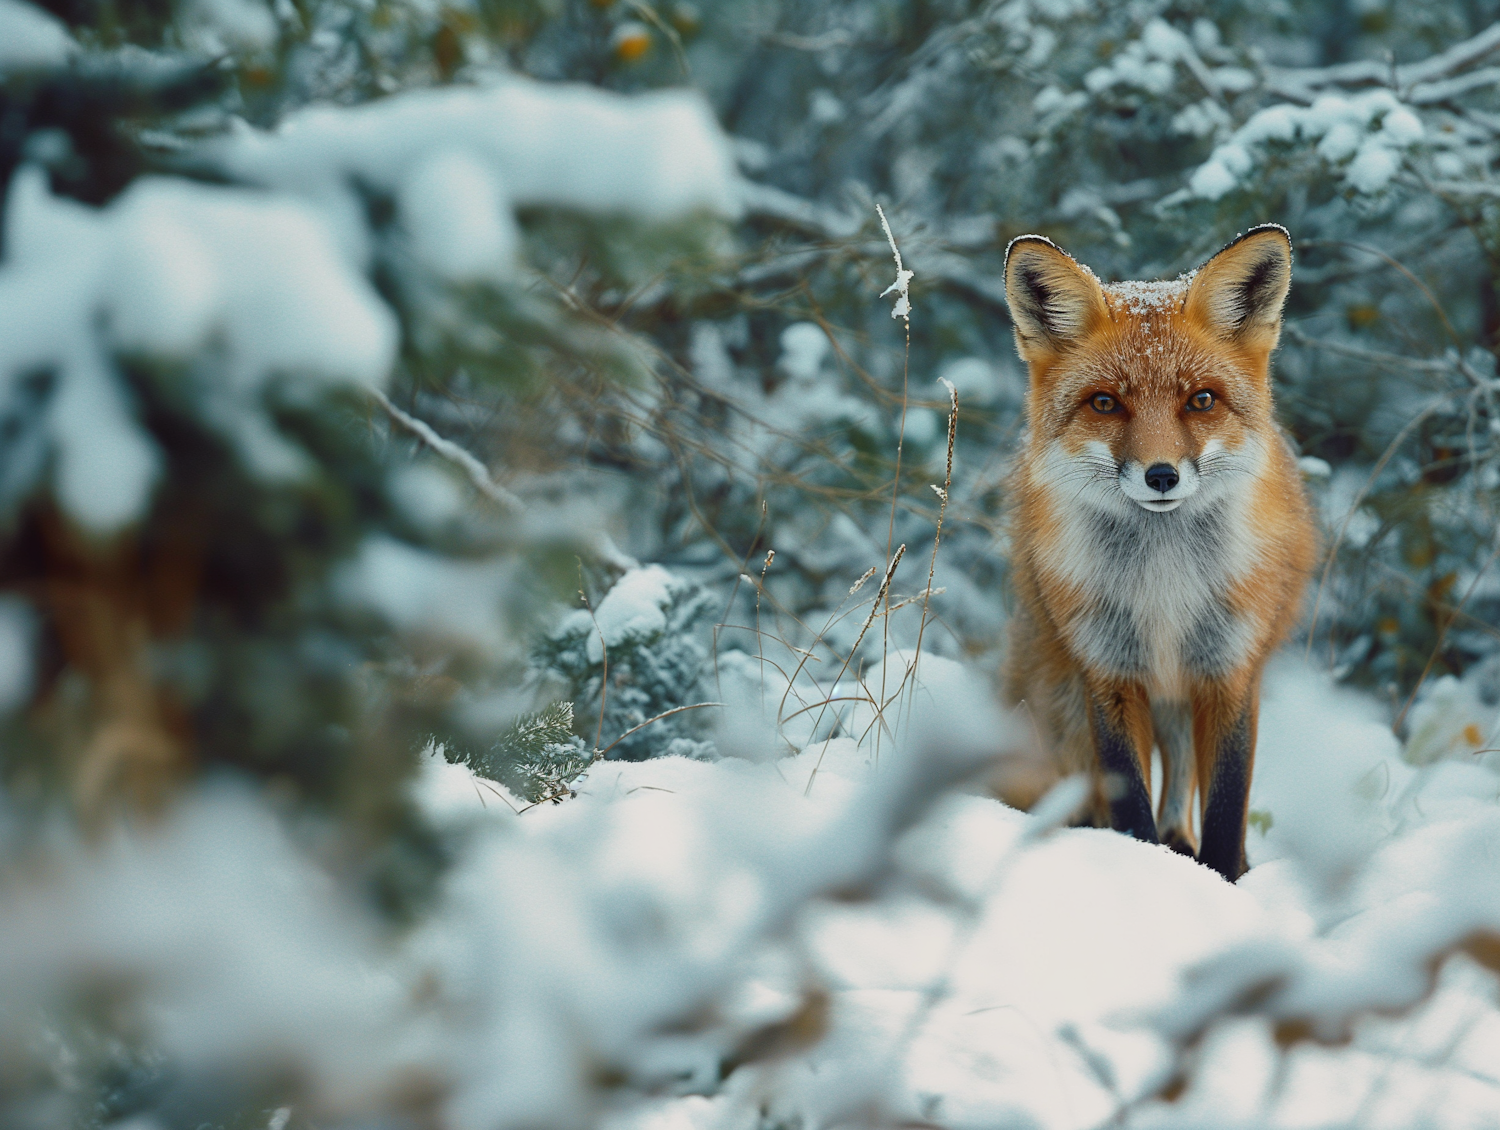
<point x="538" y="757"/>
<point x="638" y="676"/>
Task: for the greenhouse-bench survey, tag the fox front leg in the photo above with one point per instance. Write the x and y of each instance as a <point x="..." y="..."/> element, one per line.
<point x="1173" y="723"/>
<point x="1224" y="737"/>
<point x="1120" y="720"/>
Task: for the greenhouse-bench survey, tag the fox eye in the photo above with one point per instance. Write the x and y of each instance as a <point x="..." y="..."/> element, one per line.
<point x="1201" y="401"/>
<point x="1105" y="403"/>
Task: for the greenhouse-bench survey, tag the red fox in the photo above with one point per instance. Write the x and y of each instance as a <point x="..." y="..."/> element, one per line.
<point x="1161" y="539"/>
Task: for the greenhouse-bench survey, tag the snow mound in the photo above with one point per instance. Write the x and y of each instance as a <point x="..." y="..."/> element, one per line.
<point x="640" y="927"/>
<point x="1366" y="134"/>
<point x="633" y="611"/>
<point x="916" y="955"/>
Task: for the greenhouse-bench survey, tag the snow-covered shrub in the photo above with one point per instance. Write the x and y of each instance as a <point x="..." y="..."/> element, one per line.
<point x="1141" y="137"/>
<point x="571" y="961"/>
<point x="641" y="653"/>
<point x="539" y="757"/>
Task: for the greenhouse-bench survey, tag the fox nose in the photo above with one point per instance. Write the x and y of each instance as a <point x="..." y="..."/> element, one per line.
<point x="1161" y="476"/>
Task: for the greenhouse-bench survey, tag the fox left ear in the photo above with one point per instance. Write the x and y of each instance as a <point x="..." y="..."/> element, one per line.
<point x="1054" y="302"/>
<point x="1238" y="294"/>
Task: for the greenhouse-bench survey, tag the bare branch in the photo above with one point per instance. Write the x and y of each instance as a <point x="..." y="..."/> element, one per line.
<point x="1301" y="82"/>
<point x="1372" y="356"/>
<point x="598" y="753"/>
<point x="1466" y="187"/>
<point x="826" y="224"/>
<point x="807" y="216"/>
<point x="1425" y="93"/>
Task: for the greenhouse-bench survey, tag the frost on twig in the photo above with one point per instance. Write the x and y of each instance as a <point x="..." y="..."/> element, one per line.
<point x="902" y="285"/>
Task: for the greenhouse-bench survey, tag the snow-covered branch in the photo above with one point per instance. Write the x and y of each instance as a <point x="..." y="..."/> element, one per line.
<point x="476" y="471"/>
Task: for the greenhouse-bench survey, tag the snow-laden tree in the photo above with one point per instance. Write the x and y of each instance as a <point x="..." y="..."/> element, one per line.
<point x="225" y="541"/>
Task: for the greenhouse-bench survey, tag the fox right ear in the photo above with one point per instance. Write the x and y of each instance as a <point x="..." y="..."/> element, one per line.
<point x="1054" y="302"/>
<point x="1238" y="294"/>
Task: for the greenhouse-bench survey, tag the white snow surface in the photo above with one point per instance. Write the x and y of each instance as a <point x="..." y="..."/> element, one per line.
<point x="978" y="967"/>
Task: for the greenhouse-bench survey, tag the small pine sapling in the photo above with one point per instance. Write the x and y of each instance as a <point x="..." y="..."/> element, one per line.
<point x="538" y="757"/>
<point x="643" y="672"/>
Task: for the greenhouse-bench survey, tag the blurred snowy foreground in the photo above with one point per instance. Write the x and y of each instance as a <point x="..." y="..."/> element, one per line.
<point x="735" y="944"/>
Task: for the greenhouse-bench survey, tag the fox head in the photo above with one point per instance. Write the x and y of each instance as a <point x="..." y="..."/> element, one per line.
<point x="1147" y="396"/>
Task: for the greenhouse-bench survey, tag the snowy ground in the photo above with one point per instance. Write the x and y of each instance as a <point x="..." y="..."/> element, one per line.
<point x="868" y="944"/>
<point x="1001" y="981"/>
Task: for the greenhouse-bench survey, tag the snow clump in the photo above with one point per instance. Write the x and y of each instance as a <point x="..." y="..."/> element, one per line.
<point x="1367" y="134"/>
<point x="633" y="611"/>
<point x="29" y="38"/>
<point x="272" y="284"/>
<point x="164" y="270"/>
<point x="460" y="160"/>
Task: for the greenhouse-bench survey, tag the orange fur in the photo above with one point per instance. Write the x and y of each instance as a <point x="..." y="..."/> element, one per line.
<point x="1146" y="611"/>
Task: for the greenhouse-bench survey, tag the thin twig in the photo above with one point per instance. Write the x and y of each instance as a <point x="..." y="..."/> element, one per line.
<point x="504" y="799"/>
<point x="937" y="534"/>
<point x="648" y="13"/>
<point x="603" y="651"/>
<point x="476" y="471"/>
<point x="1396" y="263"/>
<point x="760" y="639"/>
<point x="834" y="617"/>
<point x="734" y="592"/>
<point x="902" y="310"/>
<point x="1371" y="356"/>
<point x="1442" y="635"/>
<point x="885" y="586"/>
<point x="598" y="753"/>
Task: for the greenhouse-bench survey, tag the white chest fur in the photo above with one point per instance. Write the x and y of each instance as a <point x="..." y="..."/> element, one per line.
<point x="1154" y="587"/>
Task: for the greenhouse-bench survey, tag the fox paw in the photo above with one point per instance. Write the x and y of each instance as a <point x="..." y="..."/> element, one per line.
<point x="1178" y="842"/>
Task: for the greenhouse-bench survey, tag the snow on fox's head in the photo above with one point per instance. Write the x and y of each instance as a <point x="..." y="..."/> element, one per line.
<point x="1146" y="394"/>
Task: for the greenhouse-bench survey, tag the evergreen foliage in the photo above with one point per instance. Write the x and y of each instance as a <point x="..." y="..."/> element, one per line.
<point x="538" y="757"/>
<point x="637" y="674"/>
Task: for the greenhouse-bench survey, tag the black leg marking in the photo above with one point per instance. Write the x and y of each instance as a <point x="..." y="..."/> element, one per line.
<point x="1223" y="846"/>
<point x="1129" y="801"/>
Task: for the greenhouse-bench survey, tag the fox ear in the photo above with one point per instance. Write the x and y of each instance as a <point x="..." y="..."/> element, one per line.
<point x="1053" y="301"/>
<point x="1237" y="295"/>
